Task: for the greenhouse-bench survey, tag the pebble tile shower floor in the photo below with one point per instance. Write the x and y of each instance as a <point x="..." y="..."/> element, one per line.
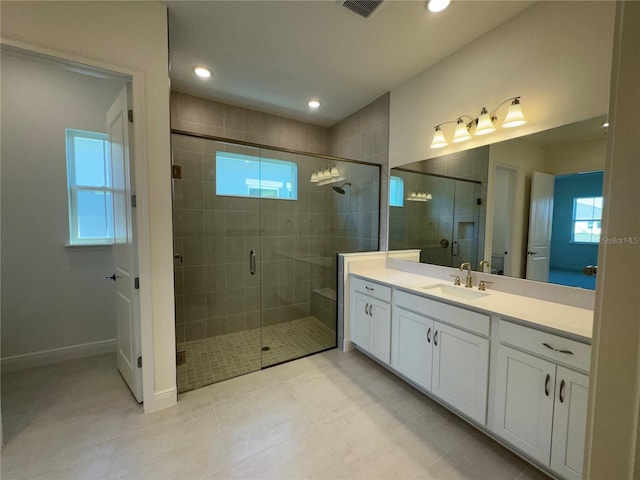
<point x="218" y="358"/>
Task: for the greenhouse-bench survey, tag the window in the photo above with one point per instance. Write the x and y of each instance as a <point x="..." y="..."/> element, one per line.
<point x="587" y="216"/>
<point x="396" y="191"/>
<point x="89" y="182"/>
<point x="248" y="176"/>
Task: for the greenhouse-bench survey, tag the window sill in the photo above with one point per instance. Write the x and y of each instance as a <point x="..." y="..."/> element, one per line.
<point x="88" y="246"/>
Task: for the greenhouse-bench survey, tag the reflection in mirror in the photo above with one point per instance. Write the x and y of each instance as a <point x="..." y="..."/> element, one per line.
<point x="538" y="197"/>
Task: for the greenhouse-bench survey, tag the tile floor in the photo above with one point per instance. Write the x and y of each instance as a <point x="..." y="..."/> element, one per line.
<point x="218" y="358"/>
<point x="331" y="415"/>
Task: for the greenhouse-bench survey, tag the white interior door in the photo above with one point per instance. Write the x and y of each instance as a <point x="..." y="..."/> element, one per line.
<point x="540" y="218"/>
<point x="124" y="249"/>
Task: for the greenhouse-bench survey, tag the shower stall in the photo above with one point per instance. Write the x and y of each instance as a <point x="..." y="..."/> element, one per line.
<point x="256" y="234"/>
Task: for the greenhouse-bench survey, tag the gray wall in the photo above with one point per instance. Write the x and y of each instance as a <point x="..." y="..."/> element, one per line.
<point x="52" y="296"/>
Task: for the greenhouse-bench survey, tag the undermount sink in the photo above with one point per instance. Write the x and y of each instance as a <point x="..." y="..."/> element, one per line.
<point x="452" y="291"/>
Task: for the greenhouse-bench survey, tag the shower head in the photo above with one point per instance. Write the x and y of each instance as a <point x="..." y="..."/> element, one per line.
<point x="340" y="189"/>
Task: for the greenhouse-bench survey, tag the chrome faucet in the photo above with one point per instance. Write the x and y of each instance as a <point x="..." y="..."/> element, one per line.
<point x="469" y="281"/>
<point x="482" y="265"/>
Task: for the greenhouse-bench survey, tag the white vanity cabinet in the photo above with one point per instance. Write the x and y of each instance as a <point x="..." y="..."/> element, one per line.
<point x="370" y="318"/>
<point x="411" y="349"/>
<point x="449" y="362"/>
<point x="541" y="405"/>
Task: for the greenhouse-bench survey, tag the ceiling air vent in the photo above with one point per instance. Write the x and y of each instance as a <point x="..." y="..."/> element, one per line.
<point x="364" y="8"/>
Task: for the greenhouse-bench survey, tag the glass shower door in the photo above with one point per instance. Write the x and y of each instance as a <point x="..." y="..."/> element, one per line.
<point x="296" y="266"/>
<point x="216" y="225"/>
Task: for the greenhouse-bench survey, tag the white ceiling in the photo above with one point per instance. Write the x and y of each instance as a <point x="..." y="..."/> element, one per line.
<point x="273" y="56"/>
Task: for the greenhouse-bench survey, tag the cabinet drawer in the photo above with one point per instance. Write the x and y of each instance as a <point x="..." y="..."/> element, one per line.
<point x="373" y="289"/>
<point x="460" y="317"/>
<point x="558" y="349"/>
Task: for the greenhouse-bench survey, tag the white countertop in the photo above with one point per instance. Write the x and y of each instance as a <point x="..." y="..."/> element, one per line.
<point x="565" y="320"/>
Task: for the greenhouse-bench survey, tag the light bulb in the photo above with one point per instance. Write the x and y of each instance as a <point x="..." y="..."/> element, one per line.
<point x="313" y="103"/>
<point x="462" y="133"/>
<point x="334" y="172"/>
<point x="314" y="177"/>
<point x="437" y="5"/>
<point x="202" y="72"/>
<point x="514" y="117"/>
<point x="429" y="197"/>
<point x="485" y="123"/>
<point x="326" y="173"/>
<point x="438" y="139"/>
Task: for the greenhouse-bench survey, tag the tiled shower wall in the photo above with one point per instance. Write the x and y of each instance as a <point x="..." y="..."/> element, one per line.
<point x="297" y="241"/>
<point x="364" y="135"/>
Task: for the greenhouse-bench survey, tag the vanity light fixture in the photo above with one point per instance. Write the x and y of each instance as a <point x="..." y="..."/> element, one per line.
<point x="462" y="131"/>
<point x="437" y="5"/>
<point x="438" y="138"/>
<point x="202" y="72"/>
<point x="313" y="104"/>
<point x="484" y="124"/>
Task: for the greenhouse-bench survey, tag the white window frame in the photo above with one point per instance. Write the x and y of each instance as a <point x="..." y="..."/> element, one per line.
<point x="575" y="219"/>
<point x="74" y="188"/>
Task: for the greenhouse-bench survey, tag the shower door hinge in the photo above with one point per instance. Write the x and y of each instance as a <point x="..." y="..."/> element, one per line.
<point x="136" y="283"/>
<point x="130" y="115"/>
<point x="134" y="201"/>
<point x="139" y="362"/>
<point x="181" y="357"/>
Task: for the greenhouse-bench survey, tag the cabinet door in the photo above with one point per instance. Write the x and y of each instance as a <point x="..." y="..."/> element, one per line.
<point x="380" y="313"/>
<point x="524" y="402"/>
<point x="461" y="370"/>
<point x="412" y="337"/>
<point x="360" y="320"/>
<point x="569" y="423"/>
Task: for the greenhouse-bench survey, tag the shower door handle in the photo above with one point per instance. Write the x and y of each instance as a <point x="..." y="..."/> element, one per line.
<point x="252" y="262"/>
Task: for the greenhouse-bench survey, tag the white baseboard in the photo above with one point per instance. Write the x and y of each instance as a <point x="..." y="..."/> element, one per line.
<point x="348" y="345"/>
<point x="165" y="399"/>
<point x="56" y="355"/>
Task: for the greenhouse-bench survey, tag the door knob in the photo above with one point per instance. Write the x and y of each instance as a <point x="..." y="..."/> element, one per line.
<point x="111" y="277"/>
<point x="590" y="270"/>
<point x="178" y="256"/>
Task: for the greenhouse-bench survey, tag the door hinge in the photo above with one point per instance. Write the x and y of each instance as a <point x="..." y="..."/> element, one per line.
<point x="134" y="201"/>
<point x="181" y="357"/>
<point x="130" y="115"/>
<point x="139" y="362"/>
<point x="136" y="283"/>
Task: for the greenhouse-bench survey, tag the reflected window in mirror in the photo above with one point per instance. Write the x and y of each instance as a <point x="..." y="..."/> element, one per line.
<point x="396" y="191"/>
<point x="587" y="216"/>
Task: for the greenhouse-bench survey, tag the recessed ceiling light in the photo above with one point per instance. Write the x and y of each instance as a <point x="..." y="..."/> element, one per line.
<point x="437" y="5"/>
<point x="313" y="103"/>
<point x="605" y="124"/>
<point x="202" y="72"/>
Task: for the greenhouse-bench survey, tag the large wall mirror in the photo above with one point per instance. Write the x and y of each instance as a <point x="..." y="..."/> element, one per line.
<point x="531" y="207"/>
